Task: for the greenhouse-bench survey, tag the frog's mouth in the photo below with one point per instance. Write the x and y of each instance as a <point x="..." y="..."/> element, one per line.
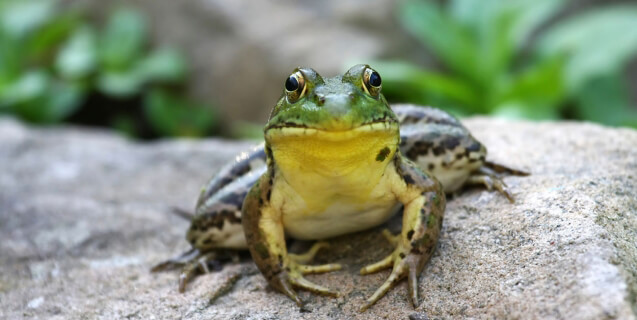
<point x="290" y="130"/>
<point x="368" y="147"/>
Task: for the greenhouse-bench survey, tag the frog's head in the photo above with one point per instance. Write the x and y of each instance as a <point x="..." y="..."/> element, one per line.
<point x="341" y="103"/>
<point x="334" y="123"/>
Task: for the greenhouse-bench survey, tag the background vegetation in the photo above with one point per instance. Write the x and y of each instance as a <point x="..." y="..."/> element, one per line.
<point x="514" y="58"/>
<point x="55" y="65"/>
<point x="501" y="57"/>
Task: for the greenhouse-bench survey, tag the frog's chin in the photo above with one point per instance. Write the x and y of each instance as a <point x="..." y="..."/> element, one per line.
<point x="367" y="148"/>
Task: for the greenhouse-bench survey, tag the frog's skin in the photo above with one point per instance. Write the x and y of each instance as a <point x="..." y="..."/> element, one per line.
<point x="335" y="162"/>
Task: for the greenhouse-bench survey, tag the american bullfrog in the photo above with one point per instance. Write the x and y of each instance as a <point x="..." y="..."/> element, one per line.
<point x="337" y="159"/>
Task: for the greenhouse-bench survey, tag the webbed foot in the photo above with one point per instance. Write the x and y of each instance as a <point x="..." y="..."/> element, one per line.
<point x="194" y="262"/>
<point x="489" y="176"/>
<point x="403" y="263"/>
<point x="292" y="275"/>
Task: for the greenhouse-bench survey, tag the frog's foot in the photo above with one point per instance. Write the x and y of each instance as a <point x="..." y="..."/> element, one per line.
<point x="492" y="182"/>
<point x="292" y="276"/>
<point x="194" y="262"/>
<point x="490" y="176"/>
<point x="403" y="263"/>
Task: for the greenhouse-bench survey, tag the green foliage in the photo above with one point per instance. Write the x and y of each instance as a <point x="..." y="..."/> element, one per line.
<point x="497" y="60"/>
<point x="52" y="61"/>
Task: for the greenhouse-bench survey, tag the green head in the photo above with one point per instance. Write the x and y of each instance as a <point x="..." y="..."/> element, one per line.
<point x="340" y="103"/>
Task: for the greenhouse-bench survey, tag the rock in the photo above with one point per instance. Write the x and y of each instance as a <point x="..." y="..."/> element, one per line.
<point x="84" y="214"/>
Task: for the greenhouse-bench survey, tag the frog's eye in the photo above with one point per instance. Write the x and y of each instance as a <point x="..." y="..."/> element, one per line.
<point x="371" y="82"/>
<point x="295" y="87"/>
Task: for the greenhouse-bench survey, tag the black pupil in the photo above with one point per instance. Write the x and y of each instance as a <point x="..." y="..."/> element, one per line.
<point x="291" y="84"/>
<point x="374" y="79"/>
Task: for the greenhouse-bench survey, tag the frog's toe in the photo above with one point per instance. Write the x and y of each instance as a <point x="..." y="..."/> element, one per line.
<point x="378" y="266"/>
<point x="393" y="239"/>
<point x="403" y="267"/>
<point x="309" y="255"/>
<point x="302" y="283"/>
<point x="176" y="262"/>
<point x="194" y="262"/>
<point x="283" y="284"/>
<point x="492" y="182"/>
<point x="304" y="269"/>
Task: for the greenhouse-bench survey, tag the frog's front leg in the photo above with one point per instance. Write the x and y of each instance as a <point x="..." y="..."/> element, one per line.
<point x="266" y="241"/>
<point x="424" y="204"/>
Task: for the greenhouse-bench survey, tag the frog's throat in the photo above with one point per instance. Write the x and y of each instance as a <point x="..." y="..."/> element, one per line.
<point x="364" y="150"/>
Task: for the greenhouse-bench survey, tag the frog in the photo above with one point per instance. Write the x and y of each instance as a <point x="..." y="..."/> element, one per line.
<point x="337" y="159"/>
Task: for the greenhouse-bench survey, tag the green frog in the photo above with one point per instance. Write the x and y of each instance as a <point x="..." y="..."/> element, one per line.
<point x="337" y="159"/>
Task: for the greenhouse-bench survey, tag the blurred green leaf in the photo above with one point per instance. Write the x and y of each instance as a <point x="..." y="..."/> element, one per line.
<point x="44" y="40"/>
<point x="29" y="86"/>
<point x="123" y="39"/>
<point x="405" y="77"/>
<point x="599" y="41"/>
<point x="58" y="101"/>
<point x="18" y="17"/>
<point x="525" y="110"/>
<point x="11" y="59"/>
<point x="77" y="58"/>
<point x="530" y="15"/>
<point x="163" y="65"/>
<point x="606" y="99"/>
<point x="539" y="86"/>
<point x="120" y="84"/>
<point x="175" y="116"/>
<point x="451" y="42"/>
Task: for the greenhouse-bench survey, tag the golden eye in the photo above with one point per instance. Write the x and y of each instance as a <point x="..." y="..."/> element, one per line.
<point x="371" y="82"/>
<point x="295" y="87"/>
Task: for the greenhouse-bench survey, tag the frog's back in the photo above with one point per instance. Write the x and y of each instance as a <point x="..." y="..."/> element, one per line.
<point x="437" y="142"/>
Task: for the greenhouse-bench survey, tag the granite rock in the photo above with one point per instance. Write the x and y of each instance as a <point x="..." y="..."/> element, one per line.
<point x="84" y="214"/>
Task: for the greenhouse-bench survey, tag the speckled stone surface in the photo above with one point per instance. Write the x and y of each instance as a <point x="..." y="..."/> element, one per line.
<point x="85" y="214"/>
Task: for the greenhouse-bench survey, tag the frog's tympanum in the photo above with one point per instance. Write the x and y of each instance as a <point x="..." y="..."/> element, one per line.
<point x="337" y="159"/>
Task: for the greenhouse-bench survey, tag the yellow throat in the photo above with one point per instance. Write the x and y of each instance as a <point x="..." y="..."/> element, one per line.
<point x="320" y="164"/>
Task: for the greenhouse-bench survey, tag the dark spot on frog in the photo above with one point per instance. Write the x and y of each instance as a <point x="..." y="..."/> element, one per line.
<point x="215" y="219"/>
<point x="419" y="148"/>
<point x="438" y="150"/>
<point x="431" y="166"/>
<point x="401" y="255"/>
<point x="451" y="143"/>
<point x="459" y="156"/>
<point x="474" y="147"/>
<point x="382" y="154"/>
<point x="410" y="234"/>
<point x="408" y="179"/>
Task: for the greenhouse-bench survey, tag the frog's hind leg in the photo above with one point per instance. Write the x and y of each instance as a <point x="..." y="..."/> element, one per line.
<point x="489" y="175"/>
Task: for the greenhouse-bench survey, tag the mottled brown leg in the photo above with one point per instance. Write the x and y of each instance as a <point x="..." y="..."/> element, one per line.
<point x="266" y="241"/>
<point x="422" y="219"/>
